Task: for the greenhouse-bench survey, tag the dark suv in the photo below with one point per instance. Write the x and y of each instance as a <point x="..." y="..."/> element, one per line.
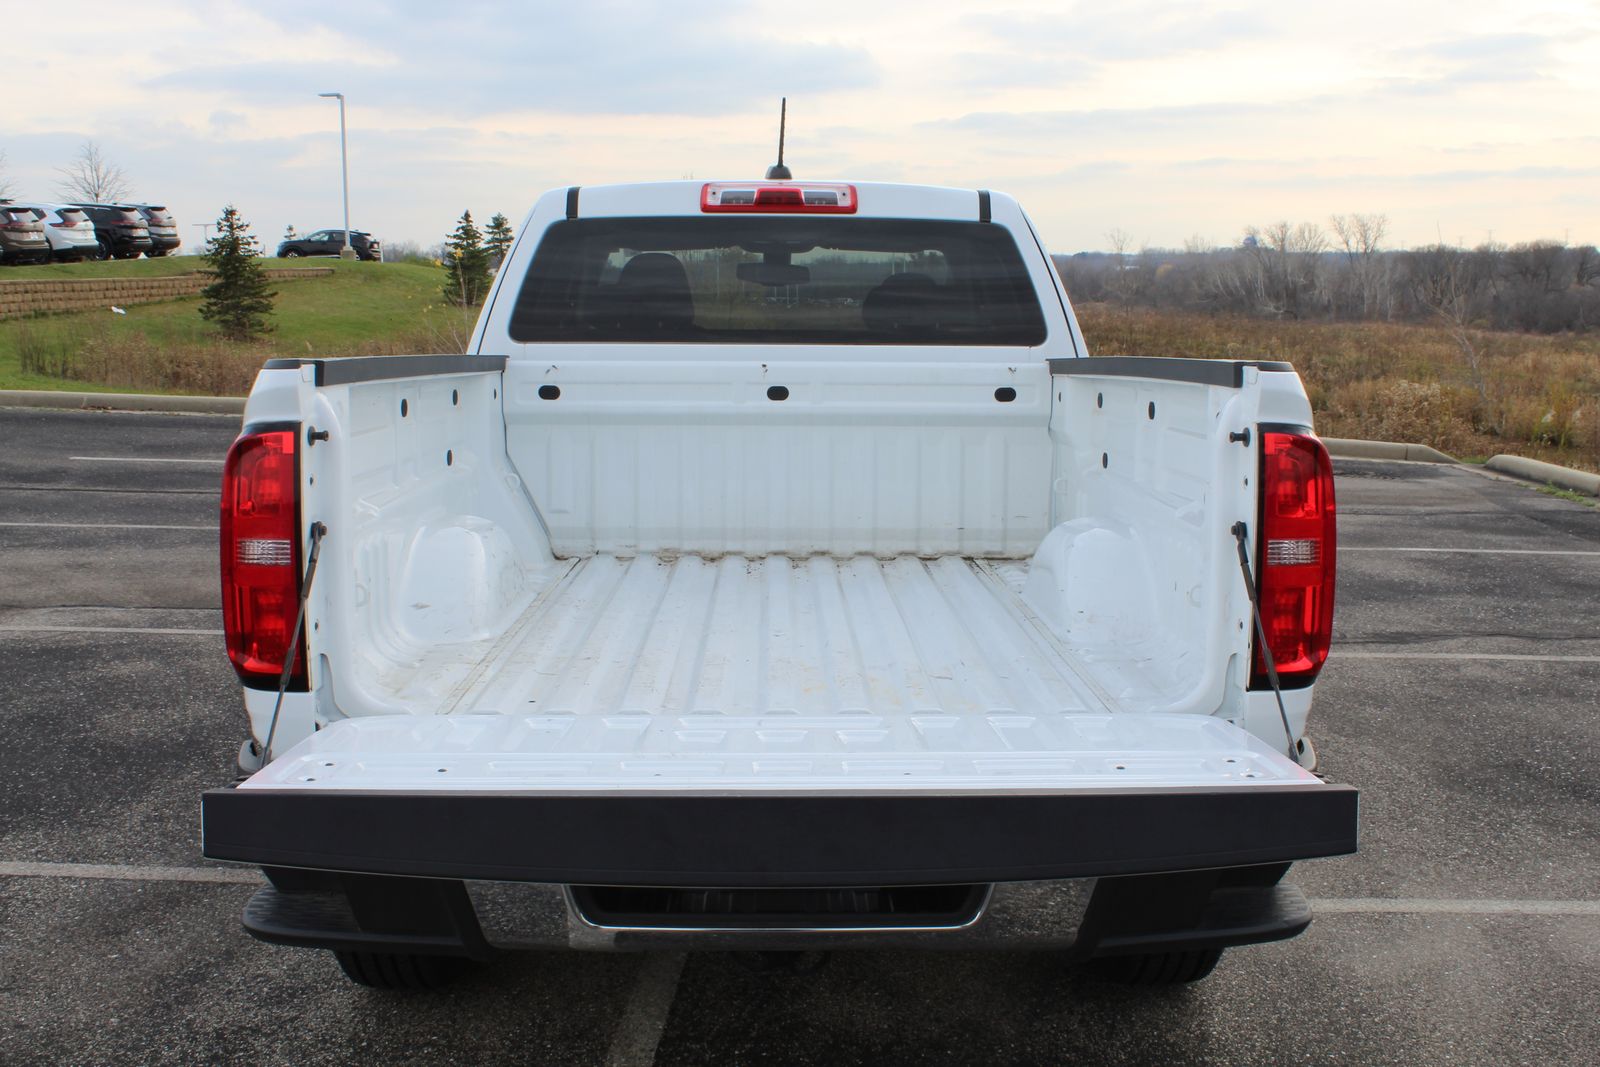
<point x="121" y="230"/>
<point x="164" y="238"/>
<point x="22" y="238"/>
<point x="330" y="243"/>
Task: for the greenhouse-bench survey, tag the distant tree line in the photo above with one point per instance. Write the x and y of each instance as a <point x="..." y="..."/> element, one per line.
<point x="1344" y="273"/>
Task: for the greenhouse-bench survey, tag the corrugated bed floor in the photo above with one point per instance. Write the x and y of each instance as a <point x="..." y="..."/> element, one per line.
<point x="778" y="673"/>
<point x="776" y="635"/>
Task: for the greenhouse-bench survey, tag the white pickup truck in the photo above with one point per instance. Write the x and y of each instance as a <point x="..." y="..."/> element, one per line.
<point x="777" y="573"/>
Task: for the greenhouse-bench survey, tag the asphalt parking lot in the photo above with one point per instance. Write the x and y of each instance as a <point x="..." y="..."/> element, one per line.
<point x="1463" y="698"/>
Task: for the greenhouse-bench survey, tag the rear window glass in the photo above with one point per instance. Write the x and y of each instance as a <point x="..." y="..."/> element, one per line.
<point x="20" y="214"/>
<point x="778" y="280"/>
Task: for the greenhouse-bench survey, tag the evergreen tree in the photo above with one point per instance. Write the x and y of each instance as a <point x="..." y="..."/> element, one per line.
<point x="466" y="264"/>
<point x="238" y="301"/>
<point x="498" y="239"/>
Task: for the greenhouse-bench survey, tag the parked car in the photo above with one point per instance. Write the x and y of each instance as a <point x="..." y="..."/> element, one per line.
<point x="68" y="231"/>
<point x="330" y="243"/>
<point x="22" y="238"/>
<point x="164" y="238"/>
<point x="122" y="232"/>
<point x="806" y="624"/>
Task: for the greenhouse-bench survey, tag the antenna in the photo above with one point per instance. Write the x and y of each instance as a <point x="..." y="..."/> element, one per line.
<point x="778" y="172"/>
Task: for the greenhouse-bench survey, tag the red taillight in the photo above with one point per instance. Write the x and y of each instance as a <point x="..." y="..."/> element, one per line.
<point x="1295" y="556"/>
<point x="821" y="198"/>
<point x="261" y="558"/>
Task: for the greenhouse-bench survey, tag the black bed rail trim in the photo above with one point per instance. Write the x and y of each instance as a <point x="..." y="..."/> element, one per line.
<point x="766" y="840"/>
<point x="349" y="370"/>
<point x="1228" y="373"/>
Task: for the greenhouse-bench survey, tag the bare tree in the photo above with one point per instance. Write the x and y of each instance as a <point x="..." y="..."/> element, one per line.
<point x="1586" y="265"/>
<point x="92" y="177"/>
<point x="1451" y="283"/>
<point x="5" y="183"/>
<point x="1539" y="265"/>
<point x="1288" y="260"/>
<point x="1361" y="237"/>
<point x="1122" y="282"/>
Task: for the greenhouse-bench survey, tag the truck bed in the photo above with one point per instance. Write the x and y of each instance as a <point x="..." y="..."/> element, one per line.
<point x="777" y="673"/>
<point x="775" y="721"/>
<point x="776" y="635"/>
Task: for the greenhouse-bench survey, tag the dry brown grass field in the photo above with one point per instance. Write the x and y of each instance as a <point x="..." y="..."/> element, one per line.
<point x="1470" y="393"/>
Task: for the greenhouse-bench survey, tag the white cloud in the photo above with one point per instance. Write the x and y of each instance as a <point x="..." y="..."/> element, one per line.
<point x="1161" y="118"/>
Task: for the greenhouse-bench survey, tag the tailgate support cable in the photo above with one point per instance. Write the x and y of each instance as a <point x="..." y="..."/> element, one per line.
<point x="318" y="532"/>
<point x="1241" y="533"/>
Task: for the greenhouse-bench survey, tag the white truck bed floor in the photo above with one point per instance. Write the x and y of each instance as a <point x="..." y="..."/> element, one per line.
<point x="775" y="635"/>
<point x="777" y="673"/>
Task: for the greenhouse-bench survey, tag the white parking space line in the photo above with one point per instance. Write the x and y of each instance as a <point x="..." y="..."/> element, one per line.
<point x="645" y="1017"/>
<point x="1480" y="551"/>
<point x="1340" y="653"/>
<point x="652" y="991"/>
<point x="101" y="526"/>
<point x="144" y="459"/>
<point x="108" y="630"/>
<point x="129" y="490"/>
<point x="129" y="873"/>
<point x="1469" y="906"/>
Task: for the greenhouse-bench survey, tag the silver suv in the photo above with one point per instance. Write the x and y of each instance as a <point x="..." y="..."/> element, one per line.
<point x="22" y="238"/>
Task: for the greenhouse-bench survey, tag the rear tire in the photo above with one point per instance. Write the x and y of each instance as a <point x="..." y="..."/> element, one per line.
<point x="402" y="972"/>
<point x="291" y="253"/>
<point x="1157" y="968"/>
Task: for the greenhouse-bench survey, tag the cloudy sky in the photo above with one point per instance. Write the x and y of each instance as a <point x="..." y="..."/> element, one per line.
<point x="1460" y="119"/>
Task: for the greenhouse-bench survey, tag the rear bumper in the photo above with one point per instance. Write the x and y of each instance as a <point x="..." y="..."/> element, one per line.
<point x="677" y="839"/>
<point x="1084" y="919"/>
<point x="28" y="253"/>
<point x="120" y="246"/>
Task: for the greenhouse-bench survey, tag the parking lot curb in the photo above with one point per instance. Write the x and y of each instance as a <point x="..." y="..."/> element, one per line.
<point x="1535" y="470"/>
<point x="191" y="405"/>
<point x="1350" y="448"/>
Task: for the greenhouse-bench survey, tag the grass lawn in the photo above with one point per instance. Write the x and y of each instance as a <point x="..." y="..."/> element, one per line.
<point x="361" y="308"/>
<point x="1472" y="394"/>
<point x="109" y="268"/>
<point x="1475" y="394"/>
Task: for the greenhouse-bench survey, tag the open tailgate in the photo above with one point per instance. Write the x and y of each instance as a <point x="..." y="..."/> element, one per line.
<point x="714" y="800"/>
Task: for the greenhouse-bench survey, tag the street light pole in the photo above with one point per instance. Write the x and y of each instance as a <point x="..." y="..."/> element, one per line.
<point x="347" y="252"/>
